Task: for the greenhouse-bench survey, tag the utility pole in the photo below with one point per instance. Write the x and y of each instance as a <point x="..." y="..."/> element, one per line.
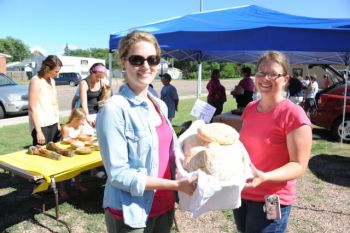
<point x="201" y="6"/>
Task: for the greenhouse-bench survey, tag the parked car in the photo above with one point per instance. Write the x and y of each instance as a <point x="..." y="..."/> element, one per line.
<point x="13" y="97"/>
<point x="71" y="78"/>
<point x="329" y="110"/>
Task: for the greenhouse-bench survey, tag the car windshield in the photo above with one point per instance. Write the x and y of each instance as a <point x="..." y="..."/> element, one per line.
<point x="6" y="81"/>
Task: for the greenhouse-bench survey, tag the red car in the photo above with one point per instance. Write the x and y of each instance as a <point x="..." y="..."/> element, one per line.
<point x="329" y="111"/>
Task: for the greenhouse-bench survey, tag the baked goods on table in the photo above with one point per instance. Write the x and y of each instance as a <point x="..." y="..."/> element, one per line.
<point x="77" y="144"/>
<point x="84" y="150"/>
<point x="82" y="140"/>
<point x="87" y="145"/>
<point x="38" y="150"/>
<point x="84" y="137"/>
<point x="65" y="152"/>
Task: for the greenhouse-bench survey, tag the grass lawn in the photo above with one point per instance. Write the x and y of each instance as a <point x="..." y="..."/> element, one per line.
<point x="322" y="205"/>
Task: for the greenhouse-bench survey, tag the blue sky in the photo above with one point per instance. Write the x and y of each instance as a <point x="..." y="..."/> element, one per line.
<point x="48" y="25"/>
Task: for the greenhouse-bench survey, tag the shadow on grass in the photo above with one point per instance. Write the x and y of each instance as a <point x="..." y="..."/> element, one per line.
<point x="17" y="204"/>
<point x="331" y="168"/>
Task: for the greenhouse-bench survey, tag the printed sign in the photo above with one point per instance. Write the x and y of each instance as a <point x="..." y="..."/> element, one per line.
<point x="203" y="111"/>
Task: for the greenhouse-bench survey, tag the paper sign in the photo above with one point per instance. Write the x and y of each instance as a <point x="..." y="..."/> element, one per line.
<point x="203" y="111"/>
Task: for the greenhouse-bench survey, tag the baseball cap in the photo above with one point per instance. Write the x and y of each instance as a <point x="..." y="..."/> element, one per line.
<point x="165" y="75"/>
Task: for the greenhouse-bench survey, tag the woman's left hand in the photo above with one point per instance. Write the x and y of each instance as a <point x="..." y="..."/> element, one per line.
<point x="259" y="177"/>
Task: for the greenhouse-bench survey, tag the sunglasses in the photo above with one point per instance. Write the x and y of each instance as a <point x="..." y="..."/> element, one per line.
<point x="137" y="60"/>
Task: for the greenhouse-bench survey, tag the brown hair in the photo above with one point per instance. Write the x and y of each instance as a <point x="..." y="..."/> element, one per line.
<point x="133" y="37"/>
<point x="246" y="70"/>
<point x="277" y="57"/>
<point x="50" y="63"/>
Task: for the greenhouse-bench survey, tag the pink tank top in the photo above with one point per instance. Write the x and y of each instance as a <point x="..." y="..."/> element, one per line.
<point x="163" y="200"/>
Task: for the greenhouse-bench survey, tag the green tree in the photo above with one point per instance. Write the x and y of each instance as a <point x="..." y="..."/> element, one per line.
<point x="188" y="68"/>
<point x="67" y="51"/>
<point x="229" y="70"/>
<point x="14" y="47"/>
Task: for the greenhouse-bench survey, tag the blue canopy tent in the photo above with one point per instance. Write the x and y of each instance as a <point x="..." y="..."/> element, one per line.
<point x="241" y="34"/>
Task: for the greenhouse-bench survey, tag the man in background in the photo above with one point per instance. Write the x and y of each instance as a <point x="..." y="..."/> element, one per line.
<point x="169" y="95"/>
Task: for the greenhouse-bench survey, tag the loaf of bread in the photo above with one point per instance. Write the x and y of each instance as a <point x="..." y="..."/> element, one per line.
<point x="218" y="132"/>
<point x="213" y="151"/>
<point x="77" y="144"/>
<point x="53" y="147"/>
<point x="224" y="162"/>
<point x="38" y="150"/>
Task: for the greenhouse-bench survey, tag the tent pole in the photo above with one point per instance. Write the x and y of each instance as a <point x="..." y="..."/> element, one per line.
<point x="110" y="68"/>
<point x="201" y="5"/>
<point x="346" y="75"/>
<point x="199" y="80"/>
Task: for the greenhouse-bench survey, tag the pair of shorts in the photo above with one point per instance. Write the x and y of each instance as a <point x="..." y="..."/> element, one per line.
<point x="51" y="134"/>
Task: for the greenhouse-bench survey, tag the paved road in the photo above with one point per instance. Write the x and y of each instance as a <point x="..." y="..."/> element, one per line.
<point x="185" y="88"/>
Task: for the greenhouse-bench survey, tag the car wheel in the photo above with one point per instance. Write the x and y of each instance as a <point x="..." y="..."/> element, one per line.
<point x="72" y="83"/>
<point x="2" y="112"/>
<point x="338" y="130"/>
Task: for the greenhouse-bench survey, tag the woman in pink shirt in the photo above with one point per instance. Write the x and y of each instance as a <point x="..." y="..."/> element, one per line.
<point x="278" y="137"/>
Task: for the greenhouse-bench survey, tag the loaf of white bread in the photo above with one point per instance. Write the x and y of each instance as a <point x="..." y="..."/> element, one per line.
<point x="213" y="150"/>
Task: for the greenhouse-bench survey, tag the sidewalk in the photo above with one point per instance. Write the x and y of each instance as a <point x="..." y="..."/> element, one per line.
<point x="24" y="119"/>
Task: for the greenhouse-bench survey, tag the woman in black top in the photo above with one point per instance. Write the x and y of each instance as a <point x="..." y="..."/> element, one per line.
<point x="91" y="90"/>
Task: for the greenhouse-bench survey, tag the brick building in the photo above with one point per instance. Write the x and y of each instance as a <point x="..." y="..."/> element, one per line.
<point x="3" y="62"/>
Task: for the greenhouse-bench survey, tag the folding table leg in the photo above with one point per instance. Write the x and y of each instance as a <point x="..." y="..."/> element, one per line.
<point x="54" y="188"/>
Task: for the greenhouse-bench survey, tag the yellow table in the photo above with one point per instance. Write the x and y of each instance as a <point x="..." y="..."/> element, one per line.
<point x="45" y="172"/>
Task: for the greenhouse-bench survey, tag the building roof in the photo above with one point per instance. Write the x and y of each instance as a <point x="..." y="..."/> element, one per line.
<point x="5" y="55"/>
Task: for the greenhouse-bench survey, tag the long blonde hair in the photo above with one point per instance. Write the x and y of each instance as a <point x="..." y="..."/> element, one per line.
<point x="76" y="113"/>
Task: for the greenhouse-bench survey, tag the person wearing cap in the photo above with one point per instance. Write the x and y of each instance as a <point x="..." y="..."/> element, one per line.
<point x="169" y="95"/>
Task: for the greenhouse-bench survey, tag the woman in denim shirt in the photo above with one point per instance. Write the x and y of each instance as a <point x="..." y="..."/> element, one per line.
<point x="138" y="146"/>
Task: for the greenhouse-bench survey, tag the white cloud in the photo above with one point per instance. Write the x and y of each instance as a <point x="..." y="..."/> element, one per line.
<point x="38" y="48"/>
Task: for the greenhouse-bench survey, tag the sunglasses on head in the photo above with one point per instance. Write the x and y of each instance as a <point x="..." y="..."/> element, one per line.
<point x="137" y="60"/>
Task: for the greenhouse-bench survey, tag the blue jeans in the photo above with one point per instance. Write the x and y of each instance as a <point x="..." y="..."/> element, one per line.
<point x="251" y="218"/>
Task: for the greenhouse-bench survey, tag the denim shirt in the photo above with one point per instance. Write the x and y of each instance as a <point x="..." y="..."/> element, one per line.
<point x="129" y="150"/>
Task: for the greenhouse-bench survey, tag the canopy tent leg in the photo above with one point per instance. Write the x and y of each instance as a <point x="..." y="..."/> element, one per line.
<point x="199" y="80"/>
<point x="110" y="58"/>
<point x="346" y="78"/>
